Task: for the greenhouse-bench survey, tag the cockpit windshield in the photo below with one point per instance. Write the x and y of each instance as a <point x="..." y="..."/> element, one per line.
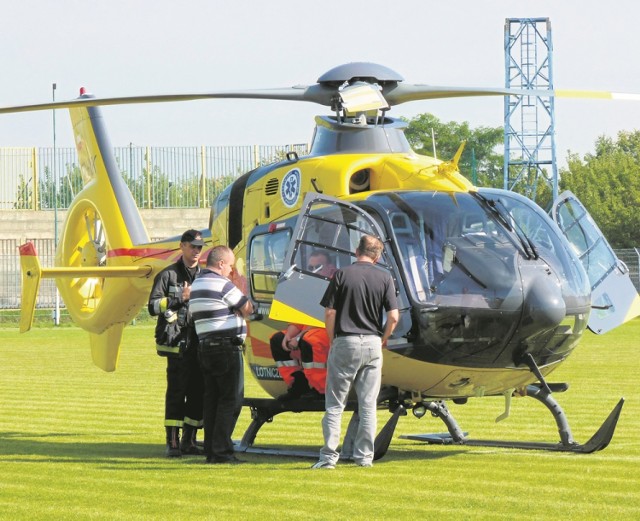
<point x="462" y="247"/>
<point x="432" y="231"/>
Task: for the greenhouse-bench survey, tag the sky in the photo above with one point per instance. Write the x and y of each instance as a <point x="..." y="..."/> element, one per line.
<point x="135" y="47"/>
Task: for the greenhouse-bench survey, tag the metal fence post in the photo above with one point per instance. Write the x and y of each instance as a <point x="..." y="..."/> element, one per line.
<point x="35" y="176"/>
<point x="202" y="203"/>
<point x="148" y="180"/>
<point x="256" y="156"/>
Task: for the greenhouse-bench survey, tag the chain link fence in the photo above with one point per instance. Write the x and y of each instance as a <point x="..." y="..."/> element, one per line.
<point x="158" y="177"/>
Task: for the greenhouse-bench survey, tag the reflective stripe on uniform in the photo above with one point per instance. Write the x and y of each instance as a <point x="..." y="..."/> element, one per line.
<point x="194" y="423"/>
<point x="160" y="305"/>
<point x="288" y="363"/>
<point x="314" y="365"/>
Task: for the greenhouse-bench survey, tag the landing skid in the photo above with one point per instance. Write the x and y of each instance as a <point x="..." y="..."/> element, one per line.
<point x="263" y="410"/>
<point x="598" y="441"/>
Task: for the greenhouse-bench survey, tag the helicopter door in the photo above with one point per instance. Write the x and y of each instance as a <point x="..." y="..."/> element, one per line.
<point x="614" y="299"/>
<point x="324" y="240"/>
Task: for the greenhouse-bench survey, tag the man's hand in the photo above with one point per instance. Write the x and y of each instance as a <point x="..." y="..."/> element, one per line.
<point x="186" y="291"/>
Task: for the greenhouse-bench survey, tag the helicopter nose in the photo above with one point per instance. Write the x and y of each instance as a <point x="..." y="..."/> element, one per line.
<point x="544" y="306"/>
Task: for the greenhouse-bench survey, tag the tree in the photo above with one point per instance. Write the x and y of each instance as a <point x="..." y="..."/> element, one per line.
<point x="481" y="144"/>
<point x="50" y="196"/>
<point x="23" y="194"/>
<point x="608" y="184"/>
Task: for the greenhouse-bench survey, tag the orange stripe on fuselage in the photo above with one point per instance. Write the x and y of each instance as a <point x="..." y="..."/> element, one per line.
<point x="155" y="253"/>
<point x="260" y="348"/>
<point x="141" y="252"/>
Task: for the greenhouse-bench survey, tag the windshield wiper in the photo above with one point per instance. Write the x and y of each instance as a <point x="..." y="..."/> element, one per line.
<point x="524" y="238"/>
<point x="509" y="223"/>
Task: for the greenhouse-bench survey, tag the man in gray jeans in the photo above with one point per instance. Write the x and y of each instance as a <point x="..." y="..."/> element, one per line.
<point x="354" y="303"/>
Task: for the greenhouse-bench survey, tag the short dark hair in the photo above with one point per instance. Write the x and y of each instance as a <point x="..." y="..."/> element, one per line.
<point x="370" y="246"/>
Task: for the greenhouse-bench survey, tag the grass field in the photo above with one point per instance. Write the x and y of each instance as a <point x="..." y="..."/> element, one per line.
<point x="77" y="443"/>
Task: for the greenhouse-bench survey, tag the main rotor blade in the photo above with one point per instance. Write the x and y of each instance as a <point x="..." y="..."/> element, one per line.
<point x="402" y="93"/>
<point x="597" y="94"/>
<point x="394" y="94"/>
<point x="313" y="93"/>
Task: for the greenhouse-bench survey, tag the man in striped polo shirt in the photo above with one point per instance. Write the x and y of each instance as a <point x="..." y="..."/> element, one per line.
<point x="219" y="310"/>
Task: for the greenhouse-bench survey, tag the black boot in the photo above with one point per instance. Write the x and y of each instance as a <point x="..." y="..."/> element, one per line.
<point x="299" y="387"/>
<point x="188" y="443"/>
<point x="173" y="442"/>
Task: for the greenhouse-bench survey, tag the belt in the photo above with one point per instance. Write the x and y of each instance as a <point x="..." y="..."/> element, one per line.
<point x="338" y="335"/>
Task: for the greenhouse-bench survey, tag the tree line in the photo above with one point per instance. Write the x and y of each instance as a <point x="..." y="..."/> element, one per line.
<point x="607" y="181"/>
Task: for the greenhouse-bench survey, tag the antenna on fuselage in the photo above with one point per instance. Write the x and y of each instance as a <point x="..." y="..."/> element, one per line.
<point x="433" y="143"/>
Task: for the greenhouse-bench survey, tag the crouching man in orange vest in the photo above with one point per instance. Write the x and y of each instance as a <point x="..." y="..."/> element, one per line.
<point x="301" y="357"/>
<point x="301" y="351"/>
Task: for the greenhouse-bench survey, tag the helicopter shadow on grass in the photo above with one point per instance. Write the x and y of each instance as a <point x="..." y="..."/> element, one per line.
<point x="64" y="447"/>
<point x="307" y="453"/>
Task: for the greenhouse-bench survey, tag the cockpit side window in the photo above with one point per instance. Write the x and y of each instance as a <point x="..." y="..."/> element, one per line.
<point x="337" y="231"/>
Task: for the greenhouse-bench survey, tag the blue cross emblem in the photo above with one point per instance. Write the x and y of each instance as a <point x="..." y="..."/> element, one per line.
<point x="290" y="189"/>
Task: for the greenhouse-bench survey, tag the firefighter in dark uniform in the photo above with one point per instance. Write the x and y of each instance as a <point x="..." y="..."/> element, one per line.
<point x="176" y="340"/>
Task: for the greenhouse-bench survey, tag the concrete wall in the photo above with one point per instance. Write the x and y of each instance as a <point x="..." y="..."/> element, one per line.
<point x="161" y="223"/>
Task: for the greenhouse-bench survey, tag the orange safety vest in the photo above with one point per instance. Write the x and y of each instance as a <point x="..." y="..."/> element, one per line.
<point x="316" y="369"/>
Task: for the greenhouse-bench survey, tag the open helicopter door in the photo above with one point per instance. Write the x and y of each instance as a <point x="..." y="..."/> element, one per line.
<point x="328" y="229"/>
<point x="614" y="299"/>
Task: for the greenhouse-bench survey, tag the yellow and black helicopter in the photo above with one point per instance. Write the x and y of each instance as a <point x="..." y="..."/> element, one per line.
<point x="494" y="294"/>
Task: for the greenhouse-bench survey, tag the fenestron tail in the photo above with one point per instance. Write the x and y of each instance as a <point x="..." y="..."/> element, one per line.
<point x="99" y="269"/>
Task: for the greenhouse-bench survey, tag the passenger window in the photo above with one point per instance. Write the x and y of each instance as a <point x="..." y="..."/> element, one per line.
<point x="266" y="259"/>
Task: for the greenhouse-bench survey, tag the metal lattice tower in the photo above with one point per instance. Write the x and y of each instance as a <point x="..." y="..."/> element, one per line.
<point x="529" y="121"/>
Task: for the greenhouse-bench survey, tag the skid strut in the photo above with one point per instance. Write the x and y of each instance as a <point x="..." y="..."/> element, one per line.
<point x="264" y="410"/>
<point x="598" y="441"/>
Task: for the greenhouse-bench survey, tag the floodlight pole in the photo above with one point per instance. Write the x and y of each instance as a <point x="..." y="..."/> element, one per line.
<point x="56" y="313"/>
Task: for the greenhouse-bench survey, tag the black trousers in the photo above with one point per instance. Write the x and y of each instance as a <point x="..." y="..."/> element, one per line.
<point x="185" y="389"/>
<point x="223" y="374"/>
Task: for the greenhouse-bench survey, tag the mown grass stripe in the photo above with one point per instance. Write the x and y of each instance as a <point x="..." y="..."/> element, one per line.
<point x="77" y="443"/>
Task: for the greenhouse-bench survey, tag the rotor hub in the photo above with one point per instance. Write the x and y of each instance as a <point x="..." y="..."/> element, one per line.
<point x="360" y="71"/>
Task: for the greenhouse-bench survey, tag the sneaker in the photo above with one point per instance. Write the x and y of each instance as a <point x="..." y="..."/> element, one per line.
<point x="364" y="464"/>
<point x="327" y="465"/>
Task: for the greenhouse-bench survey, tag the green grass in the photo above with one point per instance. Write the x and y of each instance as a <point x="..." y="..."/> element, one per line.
<point x="78" y="443"/>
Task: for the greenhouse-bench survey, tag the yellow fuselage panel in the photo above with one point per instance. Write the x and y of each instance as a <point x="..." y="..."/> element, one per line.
<point x="446" y="381"/>
<point x="427" y="379"/>
<point x="263" y="201"/>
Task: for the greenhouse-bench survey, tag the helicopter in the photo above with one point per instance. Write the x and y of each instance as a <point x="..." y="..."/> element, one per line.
<point x="494" y="293"/>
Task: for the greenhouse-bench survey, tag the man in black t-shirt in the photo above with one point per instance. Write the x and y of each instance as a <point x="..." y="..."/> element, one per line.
<point x="354" y="303"/>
